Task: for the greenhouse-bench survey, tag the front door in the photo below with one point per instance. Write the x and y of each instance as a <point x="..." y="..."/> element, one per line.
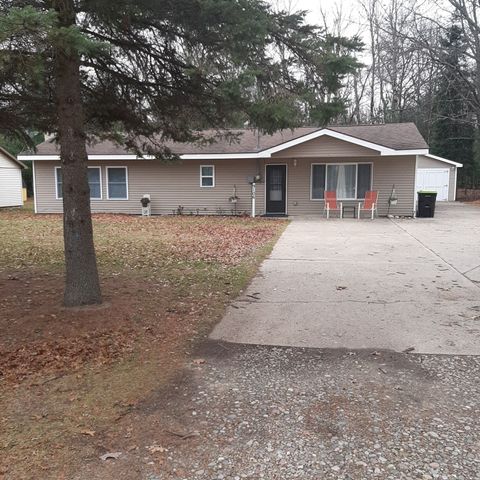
<point x="276" y="189"/>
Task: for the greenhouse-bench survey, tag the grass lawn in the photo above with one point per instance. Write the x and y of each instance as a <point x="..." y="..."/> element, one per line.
<point x="72" y="380"/>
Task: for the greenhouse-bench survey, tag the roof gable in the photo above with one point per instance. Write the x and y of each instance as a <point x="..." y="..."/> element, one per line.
<point x="326" y="145"/>
<point x="5" y="154"/>
<point x="444" y="160"/>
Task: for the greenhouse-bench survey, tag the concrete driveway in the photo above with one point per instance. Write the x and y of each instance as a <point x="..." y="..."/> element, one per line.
<point x="382" y="284"/>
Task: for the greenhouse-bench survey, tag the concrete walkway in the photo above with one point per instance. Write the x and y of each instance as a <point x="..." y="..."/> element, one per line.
<point x="382" y="284"/>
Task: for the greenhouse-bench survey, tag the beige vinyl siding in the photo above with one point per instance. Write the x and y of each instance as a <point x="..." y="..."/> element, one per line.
<point x="387" y="171"/>
<point x="398" y="171"/>
<point x="168" y="186"/>
<point x="179" y="184"/>
<point x="325" y="147"/>
<point x="426" y="162"/>
<point x="10" y="183"/>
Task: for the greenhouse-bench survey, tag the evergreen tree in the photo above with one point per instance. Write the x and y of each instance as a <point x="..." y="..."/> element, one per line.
<point x="140" y="72"/>
<point x="453" y="133"/>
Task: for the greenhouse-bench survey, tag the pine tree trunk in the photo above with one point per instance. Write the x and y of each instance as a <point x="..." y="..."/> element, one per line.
<point x="82" y="286"/>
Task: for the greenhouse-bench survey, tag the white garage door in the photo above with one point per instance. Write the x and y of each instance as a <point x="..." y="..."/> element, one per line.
<point x="434" y="180"/>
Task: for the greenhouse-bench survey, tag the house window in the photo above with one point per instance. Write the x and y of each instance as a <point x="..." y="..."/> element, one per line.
<point x="341" y="178"/>
<point x="364" y="179"/>
<point x="318" y="181"/>
<point x="207" y="176"/>
<point x="117" y="183"/>
<point x="349" y="180"/>
<point x="58" y="182"/>
<point x="94" y="182"/>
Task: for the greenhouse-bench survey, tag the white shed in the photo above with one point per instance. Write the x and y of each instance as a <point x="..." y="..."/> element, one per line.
<point x="10" y="180"/>
<point x="439" y="175"/>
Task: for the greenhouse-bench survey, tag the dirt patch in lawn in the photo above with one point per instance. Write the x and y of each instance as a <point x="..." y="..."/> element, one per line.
<point x="71" y="379"/>
<point x="40" y="336"/>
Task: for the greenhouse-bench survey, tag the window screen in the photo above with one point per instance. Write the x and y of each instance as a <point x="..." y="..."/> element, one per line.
<point x="58" y="172"/>
<point x="207" y="176"/>
<point x="364" y="182"/>
<point x="94" y="183"/>
<point x="318" y="181"/>
<point x="117" y="183"/>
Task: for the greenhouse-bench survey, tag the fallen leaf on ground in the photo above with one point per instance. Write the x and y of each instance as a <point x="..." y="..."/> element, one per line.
<point x="90" y="433"/>
<point x="156" y="449"/>
<point x="184" y="436"/>
<point x="112" y="455"/>
<point x="199" y="361"/>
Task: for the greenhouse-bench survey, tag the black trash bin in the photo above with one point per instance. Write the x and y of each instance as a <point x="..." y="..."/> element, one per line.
<point x="426" y="204"/>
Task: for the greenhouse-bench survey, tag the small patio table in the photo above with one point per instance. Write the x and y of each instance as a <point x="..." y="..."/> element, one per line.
<point x="349" y="208"/>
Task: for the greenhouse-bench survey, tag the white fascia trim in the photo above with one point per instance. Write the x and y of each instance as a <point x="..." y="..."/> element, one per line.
<point x="421" y="151"/>
<point x="221" y="156"/>
<point x="209" y="156"/>
<point x="441" y="159"/>
<point x="90" y="157"/>
<point x="38" y="157"/>
<point x="186" y="156"/>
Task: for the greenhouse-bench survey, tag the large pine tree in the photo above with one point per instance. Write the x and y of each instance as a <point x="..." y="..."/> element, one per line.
<point x="144" y="71"/>
<point x="453" y="133"/>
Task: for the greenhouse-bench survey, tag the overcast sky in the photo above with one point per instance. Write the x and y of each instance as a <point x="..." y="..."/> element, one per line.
<point x="352" y="13"/>
<point x="349" y="8"/>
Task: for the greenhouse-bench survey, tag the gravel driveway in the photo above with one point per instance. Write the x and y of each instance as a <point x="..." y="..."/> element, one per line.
<point x="389" y="284"/>
<point x="279" y="413"/>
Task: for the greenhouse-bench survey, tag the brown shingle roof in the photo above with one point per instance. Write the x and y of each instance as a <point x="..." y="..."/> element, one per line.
<point x="398" y="136"/>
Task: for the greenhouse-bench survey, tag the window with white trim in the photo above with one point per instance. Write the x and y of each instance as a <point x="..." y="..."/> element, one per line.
<point x="94" y="182"/>
<point x="207" y="175"/>
<point x="58" y="182"/>
<point x="117" y="183"/>
<point x="349" y="180"/>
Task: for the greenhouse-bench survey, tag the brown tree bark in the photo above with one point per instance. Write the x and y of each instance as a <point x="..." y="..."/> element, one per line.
<point x="82" y="286"/>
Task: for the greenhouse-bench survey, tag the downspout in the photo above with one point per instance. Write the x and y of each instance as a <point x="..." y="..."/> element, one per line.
<point x="34" y="188"/>
<point x="415" y="189"/>
<point x="455" y="186"/>
<point x="254" y="186"/>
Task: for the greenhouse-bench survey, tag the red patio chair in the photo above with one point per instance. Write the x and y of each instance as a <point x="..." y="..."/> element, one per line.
<point x="369" y="204"/>
<point x="331" y="204"/>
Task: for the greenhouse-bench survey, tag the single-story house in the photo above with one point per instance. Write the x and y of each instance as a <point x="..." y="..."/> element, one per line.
<point x="291" y="170"/>
<point x="11" y="186"/>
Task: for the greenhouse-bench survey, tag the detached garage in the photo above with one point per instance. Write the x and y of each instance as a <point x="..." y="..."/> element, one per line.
<point x="437" y="174"/>
<point x="11" y="194"/>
